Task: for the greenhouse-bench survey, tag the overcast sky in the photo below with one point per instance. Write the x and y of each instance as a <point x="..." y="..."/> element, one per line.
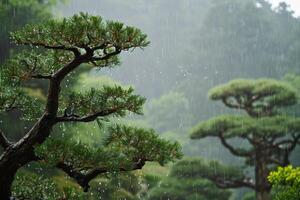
<point x="295" y="5"/>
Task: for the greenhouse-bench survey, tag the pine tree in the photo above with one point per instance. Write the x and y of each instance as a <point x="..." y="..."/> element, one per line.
<point x="180" y="186"/>
<point x="59" y="47"/>
<point x="270" y="135"/>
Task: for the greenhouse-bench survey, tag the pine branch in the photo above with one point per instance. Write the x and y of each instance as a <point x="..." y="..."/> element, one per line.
<point x="87" y="118"/>
<point x="83" y="179"/>
<point x="106" y="56"/>
<point x="39" y="76"/>
<point x="231" y="105"/>
<point x="54" y="47"/>
<point x="232" y="149"/>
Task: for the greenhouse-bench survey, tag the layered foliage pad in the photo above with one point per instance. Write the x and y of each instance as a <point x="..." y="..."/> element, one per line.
<point x="257" y="97"/>
<point x="108" y="99"/>
<point x="40" y="187"/>
<point x="189" y="189"/>
<point x="79" y="32"/>
<point x="123" y="146"/>
<point x="286" y="181"/>
<point x="189" y="168"/>
<point x="221" y="175"/>
<point x="118" y="186"/>
<point x="184" y="182"/>
<point x="230" y="126"/>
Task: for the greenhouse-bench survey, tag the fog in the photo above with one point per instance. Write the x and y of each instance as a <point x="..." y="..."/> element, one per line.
<point x="221" y="85"/>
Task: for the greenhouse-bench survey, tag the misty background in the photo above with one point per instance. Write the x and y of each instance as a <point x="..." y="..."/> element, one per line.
<point x="196" y="45"/>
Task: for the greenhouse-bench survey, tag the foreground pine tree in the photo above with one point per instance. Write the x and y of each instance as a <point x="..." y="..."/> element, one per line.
<point x="270" y="137"/>
<point x="58" y="49"/>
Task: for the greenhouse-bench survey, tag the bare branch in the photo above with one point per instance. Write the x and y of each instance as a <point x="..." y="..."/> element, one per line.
<point x="230" y="105"/>
<point x="232" y="149"/>
<point x="292" y="142"/>
<point x="296" y="139"/>
<point x="4" y="142"/>
<point x="39" y="76"/>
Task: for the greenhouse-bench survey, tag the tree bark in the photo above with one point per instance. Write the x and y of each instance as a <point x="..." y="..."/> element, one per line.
<point x="9" y="165"/>
<point x="19" y="154"/>
<point x="6" y="179"/>
<point x="262" y="186"/>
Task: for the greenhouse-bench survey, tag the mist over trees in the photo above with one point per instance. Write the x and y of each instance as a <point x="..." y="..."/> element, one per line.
<point x="195" y="46"/>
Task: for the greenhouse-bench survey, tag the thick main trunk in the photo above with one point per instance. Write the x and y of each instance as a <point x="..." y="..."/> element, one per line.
<point x="262" y="187"/>
<point x="21" y="153"/>
<point x="263" y="195"/>
<point x="10" y="161"/>
<point x="6" y="179"/>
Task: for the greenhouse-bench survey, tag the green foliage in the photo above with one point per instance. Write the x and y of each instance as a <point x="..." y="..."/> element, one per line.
<point x="161" y="112"/>
<point x="28" y="64"/>
<point x="80" y="31"/>
<point x="287" y="176"/>
<point x="66" y="45"/>
<point x="106" y="99"/>
<point x="40" y="187"/>
<point x="231" y="126"/>
<point x="270" y="137"/>
<point x="119" y="186"/>
<point x="185" y="182"/>
<point x="199" y="168"/>
<point x="189" y="189"/>
<point x="87" y="81"/>
<point x="152" y="180"/>
<point x="286" y="181"/>
<point x="20" y="98"/>
<point x="122" y="146"/>
<point x="144" y="143"/>
<point x="17" y="13"/>
<point x="260" y="92"/>
<point x="294" y="80"/>
<point x="249" y="196"/>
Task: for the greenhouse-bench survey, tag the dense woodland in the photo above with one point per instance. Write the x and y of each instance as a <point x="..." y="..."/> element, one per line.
<point x="154" y="100"/>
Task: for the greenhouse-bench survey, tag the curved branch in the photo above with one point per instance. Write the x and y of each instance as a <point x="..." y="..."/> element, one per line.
<point x="292" y="142"/>
<point x="59" y="47"/>
<point x="4" y="142"/>
<point x="105" y="56"/>
<point x="232" y="149"/>
<point x="87" y="118"/>
<point x="39" y="76"/>
<point x="83" y="179"/>
<point x="228" y="184"/>
<point x="230" y="105"/>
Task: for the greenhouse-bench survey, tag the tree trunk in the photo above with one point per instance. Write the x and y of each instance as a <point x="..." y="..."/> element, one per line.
<point x="262" y="186"/>
<point x="21" y="153"/>
<point x="7" y="174"/>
